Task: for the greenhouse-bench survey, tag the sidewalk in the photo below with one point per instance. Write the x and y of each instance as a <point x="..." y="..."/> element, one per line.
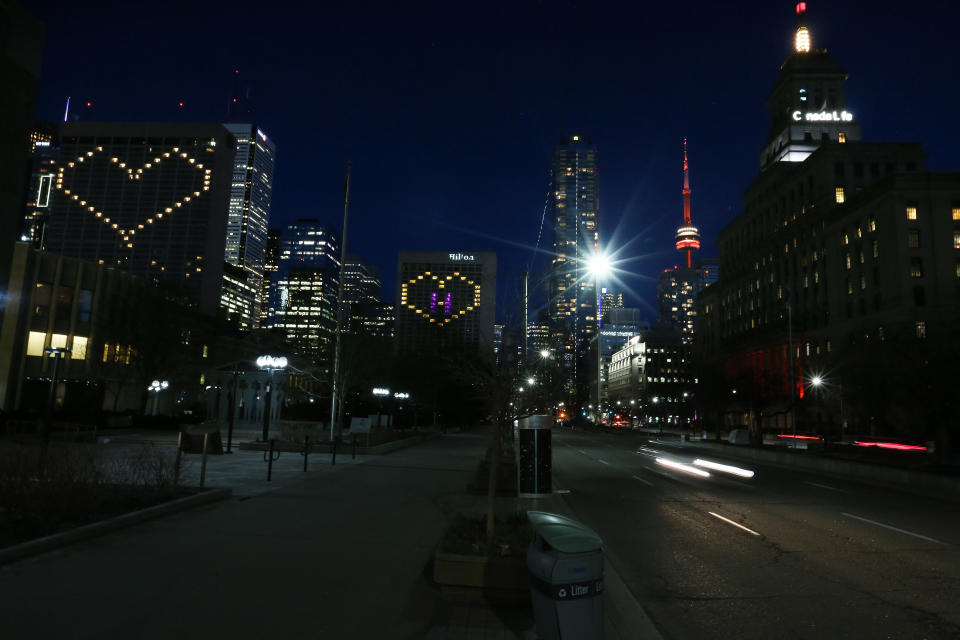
<point x="339" y="552"/>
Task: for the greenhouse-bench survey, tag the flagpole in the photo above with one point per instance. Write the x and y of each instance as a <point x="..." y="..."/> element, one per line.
<point x="339" y="310"/>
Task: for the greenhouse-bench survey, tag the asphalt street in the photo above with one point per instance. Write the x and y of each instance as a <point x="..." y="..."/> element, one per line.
<point x="785" y="554"/>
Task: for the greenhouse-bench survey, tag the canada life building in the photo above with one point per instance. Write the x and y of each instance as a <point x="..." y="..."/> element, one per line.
<point x="445" y="300"/>
<point x="841" y="243"/>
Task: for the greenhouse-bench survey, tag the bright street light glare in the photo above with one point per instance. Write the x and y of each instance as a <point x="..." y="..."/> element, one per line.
<point x="544" y="353"/>
<point x="816" y="381"/>
<point x="599" y="264"/>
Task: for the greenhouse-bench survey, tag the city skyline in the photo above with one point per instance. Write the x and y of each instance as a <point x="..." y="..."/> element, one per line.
<point x="458" y="91"/>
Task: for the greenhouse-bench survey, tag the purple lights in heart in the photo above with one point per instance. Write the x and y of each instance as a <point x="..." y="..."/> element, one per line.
<point x="434" y="303"/>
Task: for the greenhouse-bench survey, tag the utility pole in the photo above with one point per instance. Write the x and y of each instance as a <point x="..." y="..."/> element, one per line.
<point x="334" y="387"/>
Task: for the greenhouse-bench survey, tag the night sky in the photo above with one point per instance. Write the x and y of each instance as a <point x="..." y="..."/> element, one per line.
<point x="449" y="111"/>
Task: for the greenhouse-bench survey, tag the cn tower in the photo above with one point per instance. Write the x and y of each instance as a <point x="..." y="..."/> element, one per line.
<point x="688" y="236"/>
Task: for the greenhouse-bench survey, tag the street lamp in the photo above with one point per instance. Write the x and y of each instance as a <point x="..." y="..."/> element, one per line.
<point x="57" y="353"/>
<point x="155" y="388"/>
<point x="599" y="266"/>
<point x="271" y="364"/>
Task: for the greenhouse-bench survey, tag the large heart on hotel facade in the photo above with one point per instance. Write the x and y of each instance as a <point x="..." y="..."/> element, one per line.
<point x="440" y="298"/>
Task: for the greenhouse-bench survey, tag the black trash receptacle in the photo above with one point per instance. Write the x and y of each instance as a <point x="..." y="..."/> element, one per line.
<point x="565" y="561"/>
<point x="534" y="465"/>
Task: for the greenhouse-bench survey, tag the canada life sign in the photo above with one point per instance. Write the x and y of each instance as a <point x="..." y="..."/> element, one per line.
<point x="823" y="116"/>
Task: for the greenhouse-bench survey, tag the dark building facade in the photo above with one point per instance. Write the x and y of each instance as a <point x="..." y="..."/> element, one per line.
<point x="21" y="57"/>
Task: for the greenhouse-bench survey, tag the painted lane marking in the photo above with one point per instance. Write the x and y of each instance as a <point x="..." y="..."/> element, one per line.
<point x="582" y="451"/>
<point x="887" y="526"/>
<point x="562" y="491"/>
<point x="602" y="461"/>
<point x="736" y="524"/>
<point x="823" y="486"/>
<point x="646" y="482"/>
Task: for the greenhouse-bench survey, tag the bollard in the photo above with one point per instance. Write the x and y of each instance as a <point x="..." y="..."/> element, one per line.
<point x="268" y="457"/>
<point x="203" y="460"/>
<point x="333" y="451"/>
<point x="306" y="451"/>
<point x="176" y="462"/>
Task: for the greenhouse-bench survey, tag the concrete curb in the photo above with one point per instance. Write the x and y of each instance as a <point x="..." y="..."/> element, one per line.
<point x="937" y="486"/>
<point x="65" y="538"/>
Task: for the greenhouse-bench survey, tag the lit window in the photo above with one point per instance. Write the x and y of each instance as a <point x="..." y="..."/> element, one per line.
<point x="849" y="287"/>
<point x="863" y="283"/>
<point x="35" y="340"/>
<point x="859" y="232"/>
<point x="956" y="213"/>
<point x="958" y="269"/>
<point x="79" y="349"/>
<point x="956" y="239"/>
<point x="846" y="238"/>
<point x="913" y="238"/>
<point x="846" y="260"/>
<point x="841" y="137"/>
<point x="840" y="195"/>
<point x="876" y="248"/>
<point x="872" y="224"/>
<point x="911" y="213"/>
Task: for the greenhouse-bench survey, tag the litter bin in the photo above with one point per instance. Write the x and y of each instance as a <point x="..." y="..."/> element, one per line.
<point x="565" y="561"/>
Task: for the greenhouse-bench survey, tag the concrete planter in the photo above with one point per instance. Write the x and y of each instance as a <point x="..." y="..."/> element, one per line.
<point x="480" y="572"/>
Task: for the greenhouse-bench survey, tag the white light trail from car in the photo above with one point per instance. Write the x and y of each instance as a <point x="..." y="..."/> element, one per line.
<point x="887" y="526"/>
<point x="679" y="466"/>
<point x="736" y="524"/>
<point x="725" y="468"/>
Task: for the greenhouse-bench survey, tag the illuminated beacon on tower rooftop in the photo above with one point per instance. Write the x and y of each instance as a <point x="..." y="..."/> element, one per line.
<point x="688" y="236"/>
<point x="801" y="41"/>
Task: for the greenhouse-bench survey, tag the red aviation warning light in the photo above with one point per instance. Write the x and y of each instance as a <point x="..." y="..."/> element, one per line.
<point x="801" y="8"/>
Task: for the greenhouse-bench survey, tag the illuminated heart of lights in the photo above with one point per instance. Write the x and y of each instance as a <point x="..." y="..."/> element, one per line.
<point x="134" y="175"/>
<point x="439" y="298"/>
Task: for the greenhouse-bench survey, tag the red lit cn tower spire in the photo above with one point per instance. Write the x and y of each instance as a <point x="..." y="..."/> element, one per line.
<point x="688" y="237"/>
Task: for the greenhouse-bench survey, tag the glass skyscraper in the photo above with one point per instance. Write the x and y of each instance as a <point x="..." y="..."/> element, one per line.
<point x="248" y="217"/>
<point x="573" y="210"/>
<point x="304" y="296"/>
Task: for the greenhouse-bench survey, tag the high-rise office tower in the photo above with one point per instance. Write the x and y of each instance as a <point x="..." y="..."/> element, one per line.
<point x="150" y="199"/>
<point x="41" y="186"/>
<point x="445" y="301"/>
<point x="304" y="298"/>
<point x="251" y="192"/>
<point x="609" y="300"/>
<point x="361" y="282"/>
<point x="361" y="298"/>
<point x="271" y="262"/>
<point x="573" y="208"/>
